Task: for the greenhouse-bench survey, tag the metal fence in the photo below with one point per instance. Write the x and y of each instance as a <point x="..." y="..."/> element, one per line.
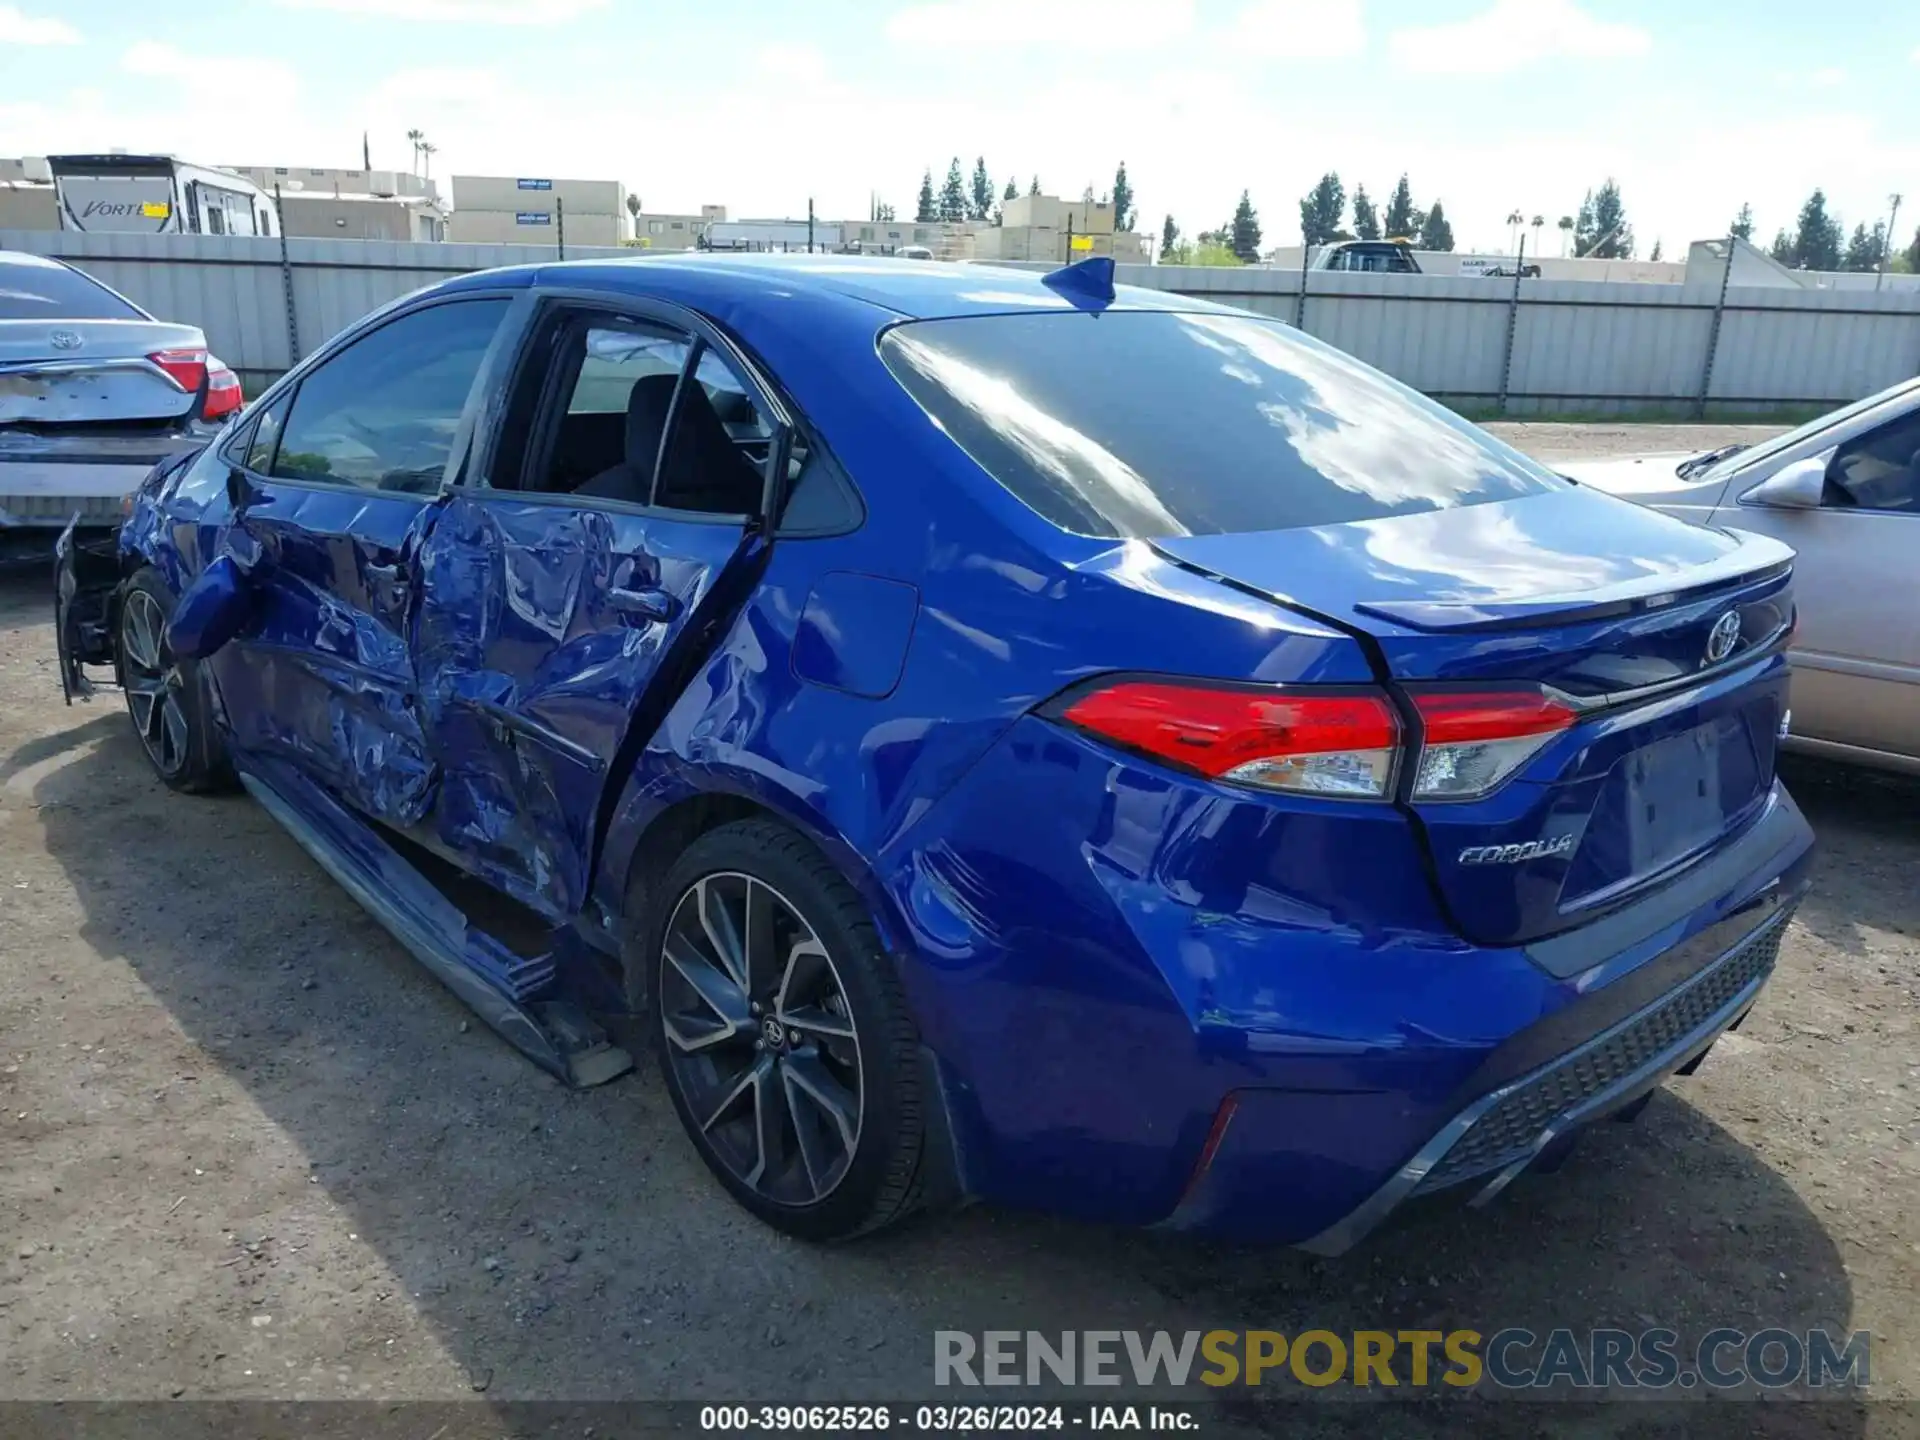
<point x="1486" y="346"/>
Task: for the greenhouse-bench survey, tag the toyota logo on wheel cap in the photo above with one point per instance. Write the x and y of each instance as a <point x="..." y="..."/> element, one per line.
<point x="65" y="340"/>
<point x="1723" y="637"/>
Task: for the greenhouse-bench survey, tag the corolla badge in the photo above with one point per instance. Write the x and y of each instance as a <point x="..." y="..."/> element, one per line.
<point x="65" y="340"/>
<point x="1723" y="637"/>
<point x="1514" y="854"/>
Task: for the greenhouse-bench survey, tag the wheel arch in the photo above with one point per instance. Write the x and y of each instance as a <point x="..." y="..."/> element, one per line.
<point x="664" y="811"/>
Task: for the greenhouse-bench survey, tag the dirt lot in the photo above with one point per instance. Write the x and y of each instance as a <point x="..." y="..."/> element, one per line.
<point x="250" y="1149"/>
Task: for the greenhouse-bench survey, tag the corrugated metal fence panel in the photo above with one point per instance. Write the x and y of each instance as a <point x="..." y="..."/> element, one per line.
<point x="1576" y="345"/>
<point x="1815" y="348"/>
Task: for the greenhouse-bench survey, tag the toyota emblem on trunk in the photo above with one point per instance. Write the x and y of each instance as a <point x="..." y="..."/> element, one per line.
<point x="64" y="340"/>
<point x="1723" y="637"/>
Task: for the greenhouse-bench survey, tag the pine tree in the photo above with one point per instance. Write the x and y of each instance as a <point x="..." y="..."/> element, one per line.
<point x="953" y="194"/>
<point x="1321" y="209"/>
<point x="1742" y="227"/>
<point x="927" y="212"/>
<point x="1034" y="189"/>
<point x="1366" y="220"/>
<point x="1782" y="248"/>
<point x="1912" y="254"/>
<point x="1601" y="231"/>
<point x="1123" y="216"/>
<point x="1435" y="232"/>
<point x="1246" y="230"/>
<point x="1012" y="191"/>
<point x="982" y="190"/>
<point x="1654" y="254"/>
<point x="883" y="212"/>
<point x="1401" y="221"/>
<point x="1864" y="249"/>
<point x="1818" y="239"/>
<point x="1169" y="237"/>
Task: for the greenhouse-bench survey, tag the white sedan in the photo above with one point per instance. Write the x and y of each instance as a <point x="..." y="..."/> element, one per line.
<point x="1844" y="492"/>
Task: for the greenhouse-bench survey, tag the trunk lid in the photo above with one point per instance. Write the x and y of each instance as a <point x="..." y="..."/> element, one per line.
<point x="1611" y="606"/>
<point x="57" y="373"/>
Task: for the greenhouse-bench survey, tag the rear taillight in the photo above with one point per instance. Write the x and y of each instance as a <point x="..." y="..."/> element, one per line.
<point x="224" y="396"/>
<point x="186" y="368"/>
<point x="1306" y="741"/>
<point x="1475" y="739"/>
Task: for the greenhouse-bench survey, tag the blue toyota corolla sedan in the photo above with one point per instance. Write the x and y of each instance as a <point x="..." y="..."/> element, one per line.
<point x="995" y="735"/>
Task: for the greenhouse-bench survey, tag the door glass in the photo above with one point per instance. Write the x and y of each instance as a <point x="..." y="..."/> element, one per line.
<point x="608" y="436"/>
<point x="266" y="437"/>
<point x="1879" y="470"/>
<point x="382" y="413"/>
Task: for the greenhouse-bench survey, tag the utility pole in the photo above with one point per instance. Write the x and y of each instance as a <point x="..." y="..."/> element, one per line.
<point x="809" y="225"/>
<point x="1886" y="245"/>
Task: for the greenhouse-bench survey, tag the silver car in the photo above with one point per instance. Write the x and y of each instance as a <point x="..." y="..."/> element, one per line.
<point x="94" y="392"/>
<point x="1843" y="491"/>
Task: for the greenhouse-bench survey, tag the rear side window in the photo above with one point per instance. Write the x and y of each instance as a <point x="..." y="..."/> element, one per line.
<point x="1142" y="424"/>
<point x="44" y="291"/>
<point x="381" y="414"/>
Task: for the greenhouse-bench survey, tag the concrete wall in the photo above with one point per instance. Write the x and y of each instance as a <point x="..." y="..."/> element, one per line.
<point x="1619" y="348"/>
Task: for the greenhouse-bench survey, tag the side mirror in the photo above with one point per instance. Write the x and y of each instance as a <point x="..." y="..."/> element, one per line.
<point x="1799" y="486"/>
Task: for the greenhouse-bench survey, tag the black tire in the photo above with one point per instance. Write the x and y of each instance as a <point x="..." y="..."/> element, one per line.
<point x="167" y="699"/>
<point x="879" y="1172"/>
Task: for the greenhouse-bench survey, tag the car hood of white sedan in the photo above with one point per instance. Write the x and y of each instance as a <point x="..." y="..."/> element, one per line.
<point x="1640" y="477"/>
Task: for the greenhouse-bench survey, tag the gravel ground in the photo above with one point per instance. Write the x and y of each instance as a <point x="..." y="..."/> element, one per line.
<point x="250" y="1149"/>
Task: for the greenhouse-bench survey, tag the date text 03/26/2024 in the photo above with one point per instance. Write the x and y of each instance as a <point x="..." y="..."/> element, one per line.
<point x="943" y="1419"/>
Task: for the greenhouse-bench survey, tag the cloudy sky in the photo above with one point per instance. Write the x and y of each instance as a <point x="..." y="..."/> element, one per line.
<point x="1489" y="105"/>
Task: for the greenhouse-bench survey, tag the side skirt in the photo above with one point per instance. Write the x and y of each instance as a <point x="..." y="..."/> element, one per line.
<point x="554" y="1035"/>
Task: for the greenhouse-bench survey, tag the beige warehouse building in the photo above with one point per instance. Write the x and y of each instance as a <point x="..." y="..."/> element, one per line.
<point x="1042" y="227"/>
<point x="532" y="210"/>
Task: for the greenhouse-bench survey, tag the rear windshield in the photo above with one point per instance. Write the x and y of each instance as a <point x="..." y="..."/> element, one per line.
<point x="1142" y="424"/>
<point x="53" y="292"/>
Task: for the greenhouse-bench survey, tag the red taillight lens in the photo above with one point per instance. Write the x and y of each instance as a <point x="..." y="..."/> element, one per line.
<point x="1337" y="743"/>
<point x="186" y="368"/>
<point x="1476" y="739"/>
<point x="224" y="395"/>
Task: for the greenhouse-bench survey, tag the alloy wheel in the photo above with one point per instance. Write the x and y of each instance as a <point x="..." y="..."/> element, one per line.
<point x="153" y="684"/>
<point x="760" y="1038"/>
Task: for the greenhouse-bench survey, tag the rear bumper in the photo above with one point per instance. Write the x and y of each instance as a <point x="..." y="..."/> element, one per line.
<point x="1287" y="1048"/>
<point x="45" y="483"/>
<point x="1499" y="1135"/>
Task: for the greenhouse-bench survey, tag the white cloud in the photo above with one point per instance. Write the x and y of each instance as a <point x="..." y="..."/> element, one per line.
<point x="198" y="68"/>
<point x="1829" y="77"/>
<point x="17" y="28"/>
<point x="464" y="12"/>
<point x="1300" y="29"/>
<point x="432" y="86"/>
<point x="1514" y="34"/>
<point x="1067" y="25"/>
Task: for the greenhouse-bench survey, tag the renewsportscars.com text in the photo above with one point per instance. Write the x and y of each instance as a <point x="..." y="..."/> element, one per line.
<point x="1511" y="1358"/>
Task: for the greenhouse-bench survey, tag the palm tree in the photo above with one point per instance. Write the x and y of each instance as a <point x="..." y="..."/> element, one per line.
<point x="633" y="212"/>
<point x="1514" y="221"/>
<point x="416" y="136"/>
<point x="427" y="151"/>
<point x="1537" y="222"/>
<point x="1565" y="223"/>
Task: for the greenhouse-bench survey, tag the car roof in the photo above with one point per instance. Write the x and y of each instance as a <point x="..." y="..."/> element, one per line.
<point x="913" y="289"/>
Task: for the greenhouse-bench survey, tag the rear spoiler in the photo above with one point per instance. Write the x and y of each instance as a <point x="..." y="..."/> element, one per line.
<point x="1753" y="560"/>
